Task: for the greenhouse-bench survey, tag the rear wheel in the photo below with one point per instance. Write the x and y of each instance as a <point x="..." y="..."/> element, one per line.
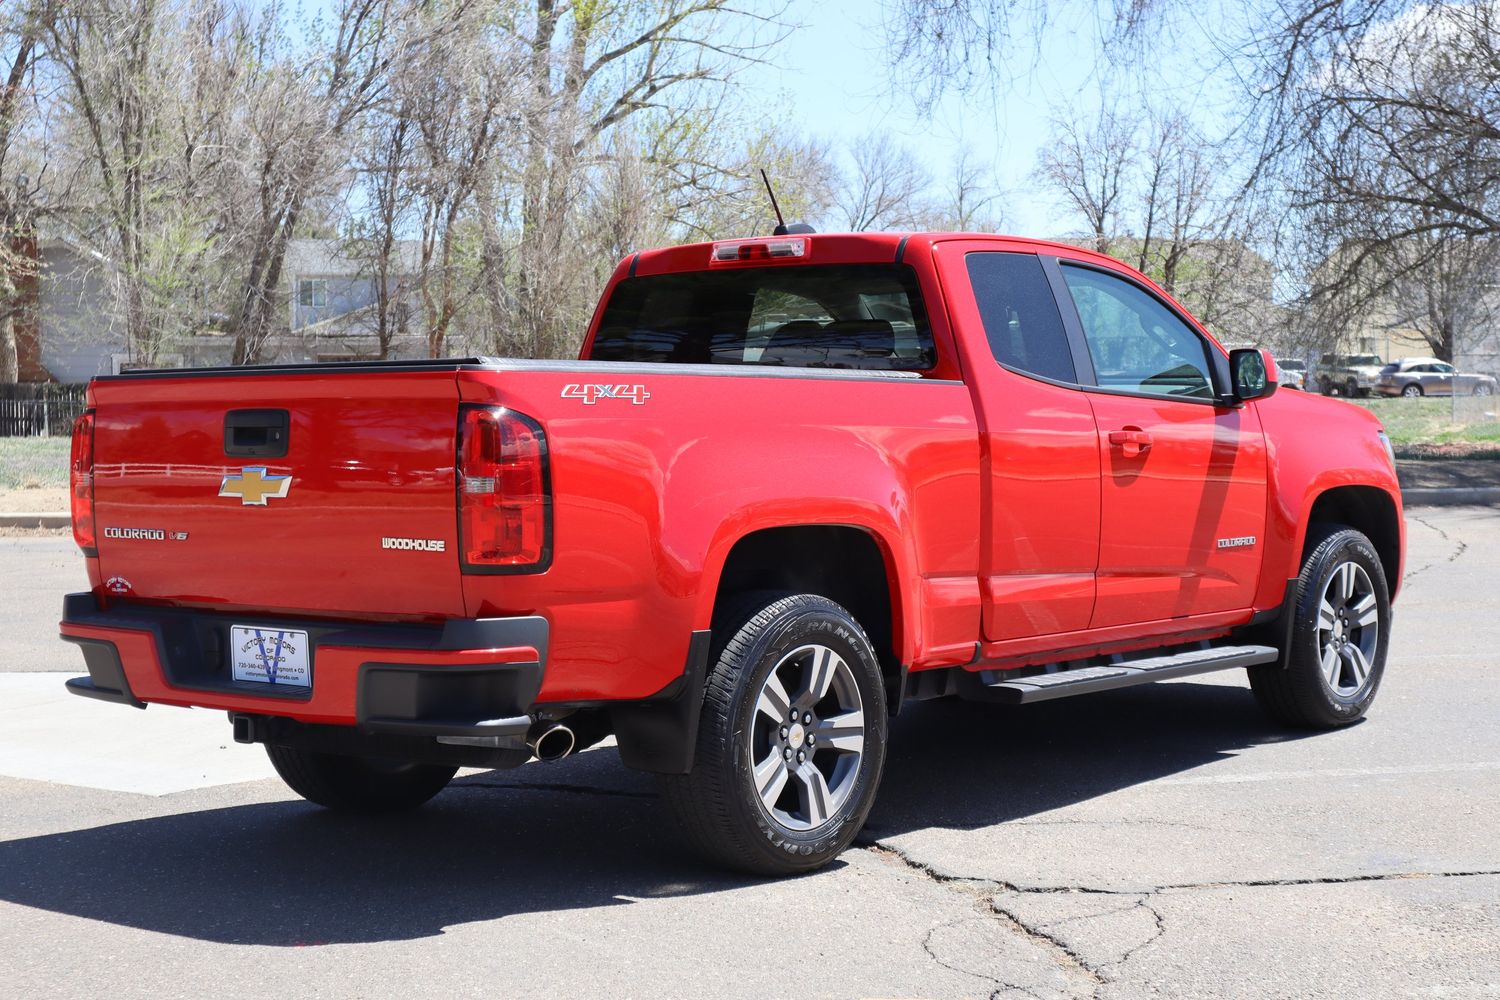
<point x="358" y="784"/>
<point x="1329" y="675"/>
<point x="1411" y="390"/>
<point x="791" y="741"/>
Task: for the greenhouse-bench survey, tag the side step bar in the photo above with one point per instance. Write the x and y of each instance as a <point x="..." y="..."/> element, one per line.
<point x="995" y="685"/>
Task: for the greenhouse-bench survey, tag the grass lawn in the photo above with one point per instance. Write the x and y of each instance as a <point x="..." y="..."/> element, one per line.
<point x="30" y="462"/>
<point x="1428" y="426"/>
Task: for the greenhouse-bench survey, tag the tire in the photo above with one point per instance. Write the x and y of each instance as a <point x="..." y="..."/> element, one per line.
<point x="1484" y="389"/>
<point x="816" y="795"/>
<point x="1411" y="391"/>
<point x="357" y="784"/>
<point x="1332" y="670"/>
<point x="1351" y="389"/>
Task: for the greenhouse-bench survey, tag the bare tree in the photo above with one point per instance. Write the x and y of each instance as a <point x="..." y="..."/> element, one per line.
<point x="590" y="69"/>
<point x="302" y="114"/>
<point x="966" y="201"/>
<point x="20" y="48"/>
<point x="1395" y="173"/>
<point x="885" y="189"/>
<point x="1088" y="165"/>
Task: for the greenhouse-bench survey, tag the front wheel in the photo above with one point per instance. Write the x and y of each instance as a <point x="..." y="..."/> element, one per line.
<point x="1412" y="390"/>
<point x="358" y="784"/>
<point x="1484" y="389"/>
<point x="1329" y="675"/>
<point x="791" y="741"/>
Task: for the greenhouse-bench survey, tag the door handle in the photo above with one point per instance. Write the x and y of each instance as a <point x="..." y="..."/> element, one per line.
<point x="1130" y="440"/>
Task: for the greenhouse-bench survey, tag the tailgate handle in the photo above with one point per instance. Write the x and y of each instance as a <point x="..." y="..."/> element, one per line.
<point x="256" y="433"/>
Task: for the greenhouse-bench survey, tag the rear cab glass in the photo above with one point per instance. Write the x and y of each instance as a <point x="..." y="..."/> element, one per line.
<point x="867" y="317"/>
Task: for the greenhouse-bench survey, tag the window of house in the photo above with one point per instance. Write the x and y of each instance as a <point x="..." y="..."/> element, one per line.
<point x="312" y="292"/>
<point x="1136" y="342"/>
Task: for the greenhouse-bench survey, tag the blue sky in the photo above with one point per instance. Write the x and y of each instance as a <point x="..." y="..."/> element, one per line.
<point x="833" y="76"/>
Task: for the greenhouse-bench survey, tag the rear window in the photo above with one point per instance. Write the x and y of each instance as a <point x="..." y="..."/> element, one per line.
<point x="859" y="316"/>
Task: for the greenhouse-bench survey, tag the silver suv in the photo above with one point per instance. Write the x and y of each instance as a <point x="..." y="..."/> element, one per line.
<point x="1431" y="377"/>
<point x="1348" y="374"/>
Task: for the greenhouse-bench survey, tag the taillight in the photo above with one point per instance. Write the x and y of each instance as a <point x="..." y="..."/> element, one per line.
<point x="81" y="481"/>
<point x="504" y="492"/>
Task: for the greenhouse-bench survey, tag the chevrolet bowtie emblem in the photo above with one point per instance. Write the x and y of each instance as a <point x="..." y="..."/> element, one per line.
<point x="253" y="486"/>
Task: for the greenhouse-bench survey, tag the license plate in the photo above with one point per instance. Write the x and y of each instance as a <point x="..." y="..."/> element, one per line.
<point x="270" y="656"/>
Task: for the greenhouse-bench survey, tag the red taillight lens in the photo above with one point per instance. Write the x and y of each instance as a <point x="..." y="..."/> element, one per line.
<point x="504" y="494"/>
<point x="81" y="481"/>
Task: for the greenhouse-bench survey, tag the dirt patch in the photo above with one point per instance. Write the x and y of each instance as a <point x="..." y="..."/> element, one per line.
<point x="38" y="499"/>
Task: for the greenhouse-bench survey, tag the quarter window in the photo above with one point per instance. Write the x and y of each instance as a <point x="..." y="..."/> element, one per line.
<point x="1020" y="315"/>
<point x="1136" y="342"/>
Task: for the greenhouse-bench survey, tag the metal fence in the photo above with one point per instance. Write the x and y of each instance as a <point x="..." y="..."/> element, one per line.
<point x="30" y="409"/>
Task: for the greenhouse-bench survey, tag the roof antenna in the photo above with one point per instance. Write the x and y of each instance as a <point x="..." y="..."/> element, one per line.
<point x="782" y="229"/>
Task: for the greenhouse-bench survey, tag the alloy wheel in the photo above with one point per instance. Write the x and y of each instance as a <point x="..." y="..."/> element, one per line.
<point x="807" y="738"/>
<point x="1348" y="629"/>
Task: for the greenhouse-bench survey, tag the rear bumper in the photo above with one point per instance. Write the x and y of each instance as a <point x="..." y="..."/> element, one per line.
<point x="464" y="678"/>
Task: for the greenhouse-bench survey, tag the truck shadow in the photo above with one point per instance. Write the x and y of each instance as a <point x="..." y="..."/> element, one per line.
<point x="584" y="832"/>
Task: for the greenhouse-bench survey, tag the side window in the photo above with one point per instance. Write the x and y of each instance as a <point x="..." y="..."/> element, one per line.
<point x="1020" y="315"/>
<point x="1137" y="343"/>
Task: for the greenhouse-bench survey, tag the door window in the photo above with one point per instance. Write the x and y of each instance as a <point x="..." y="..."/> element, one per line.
<point x="1136" y="342"/>
<point x="1020" y="315"/>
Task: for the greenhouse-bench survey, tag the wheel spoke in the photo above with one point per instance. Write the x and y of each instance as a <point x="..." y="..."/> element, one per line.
<point x="812" y="794"/>
<point x="1325" y="615"/>
<point x="1366" y="611"/>
<point x="1332" y="665"/>
<point x="770" y="778"/>
<point x="1359" y="664"/>
<point x="842" y="732"/>
<point x="773" y="701"/>
<point x="820" y="670"/>
<point x="1346" y="582"/>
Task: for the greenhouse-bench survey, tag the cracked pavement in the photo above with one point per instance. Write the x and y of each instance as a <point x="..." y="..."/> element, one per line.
<point x="1156" y="842"/>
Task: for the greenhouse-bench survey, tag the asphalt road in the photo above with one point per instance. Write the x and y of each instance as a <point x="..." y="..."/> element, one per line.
<point x="1157" y="842"/>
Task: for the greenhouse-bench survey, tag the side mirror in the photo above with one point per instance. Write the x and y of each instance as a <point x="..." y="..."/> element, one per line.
<point x="1254" y="373"/>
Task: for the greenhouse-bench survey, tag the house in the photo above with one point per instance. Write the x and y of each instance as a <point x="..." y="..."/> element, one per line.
<point x="332" y="303"/>
<point x="327" y="305"/>
<point x="65" y="330"/>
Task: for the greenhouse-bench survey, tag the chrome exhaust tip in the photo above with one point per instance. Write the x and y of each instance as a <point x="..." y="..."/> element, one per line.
<point x="552" y="743"/>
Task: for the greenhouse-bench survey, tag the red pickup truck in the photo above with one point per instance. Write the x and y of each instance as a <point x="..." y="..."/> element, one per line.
<point x="792" y="483"/>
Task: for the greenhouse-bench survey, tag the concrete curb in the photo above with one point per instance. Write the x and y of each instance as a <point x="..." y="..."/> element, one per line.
<point x="35" y="519"/>
<point x="1451" y="496"/>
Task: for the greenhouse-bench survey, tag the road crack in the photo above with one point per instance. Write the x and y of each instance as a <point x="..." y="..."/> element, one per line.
<point x="1460" y="546"/>
<point x="1075" y="965"/>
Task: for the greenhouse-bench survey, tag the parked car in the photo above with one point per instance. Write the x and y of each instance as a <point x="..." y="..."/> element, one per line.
<point x="1431" y="377"/>
<point x="792" y="483"/>
<point x="1347" y="374"/>
<point x="1293" y="373"/>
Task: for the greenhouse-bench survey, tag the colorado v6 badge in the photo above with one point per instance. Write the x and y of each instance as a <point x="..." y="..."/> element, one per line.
<point x="254" y="487"/>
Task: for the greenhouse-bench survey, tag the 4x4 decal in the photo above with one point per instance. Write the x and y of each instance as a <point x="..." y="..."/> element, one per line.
<point x="592" y="392"/>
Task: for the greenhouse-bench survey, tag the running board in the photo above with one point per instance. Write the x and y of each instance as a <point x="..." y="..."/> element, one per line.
<point x="992" y="685"/>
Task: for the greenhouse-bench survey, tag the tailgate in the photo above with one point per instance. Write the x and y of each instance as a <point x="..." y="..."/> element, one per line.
<point x="357" y="517"/>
